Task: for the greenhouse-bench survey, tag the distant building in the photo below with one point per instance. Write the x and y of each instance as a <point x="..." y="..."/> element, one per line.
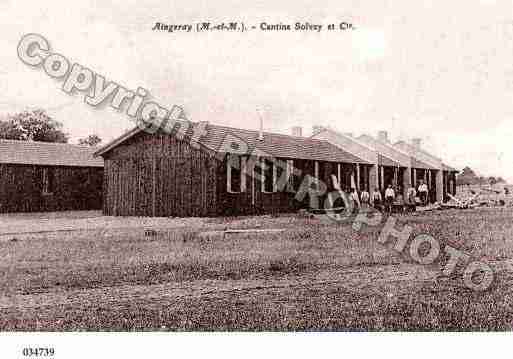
<point x="401" y="165"/>
<point x="42" y="176"/>
<point x="439" y="176"/>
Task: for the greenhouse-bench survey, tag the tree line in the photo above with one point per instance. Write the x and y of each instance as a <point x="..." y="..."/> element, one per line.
<point x="37" y="125"/>
<point x="468" y="176"/>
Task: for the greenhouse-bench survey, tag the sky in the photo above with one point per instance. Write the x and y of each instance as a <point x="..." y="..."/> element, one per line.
<point x="434" y="69"/>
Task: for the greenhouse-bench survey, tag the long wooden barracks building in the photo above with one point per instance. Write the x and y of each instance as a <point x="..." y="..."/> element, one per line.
<point x="164" y="175"/>
<point x="181" y="174"/>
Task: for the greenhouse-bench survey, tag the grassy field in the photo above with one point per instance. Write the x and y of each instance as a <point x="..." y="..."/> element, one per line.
<point x="313" y="276"/>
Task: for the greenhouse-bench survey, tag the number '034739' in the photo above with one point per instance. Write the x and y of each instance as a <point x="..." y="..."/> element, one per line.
<point x="38" y="352"/>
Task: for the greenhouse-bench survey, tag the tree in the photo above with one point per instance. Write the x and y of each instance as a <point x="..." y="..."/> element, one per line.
<point x="467" y="176"/>
<point x="492" y="180"/>
<point x="10" y="131"/>
<point x="34" y="125"/>
<point x="91" y="140"/>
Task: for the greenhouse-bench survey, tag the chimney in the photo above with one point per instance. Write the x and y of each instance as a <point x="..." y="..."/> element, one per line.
<point x="297" y="131"/>
<point x="416" y="142"/>
<point x="383" y="136"/>
<point x="348" y="134"/>
<point x="316" y="129"/>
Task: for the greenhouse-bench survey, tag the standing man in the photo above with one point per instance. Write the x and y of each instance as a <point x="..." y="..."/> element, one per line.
<point x="365" y="196"/>
<point x="411" y="203"/>
<point x="423" y="192"/>
<point x="389" y="198"/>
<point x="377" y="199"/>
<point x="355" y="199"/>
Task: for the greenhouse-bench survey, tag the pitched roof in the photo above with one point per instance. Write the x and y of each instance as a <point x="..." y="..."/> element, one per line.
<point x="449" y="168"/>
<point x="413" y="149"/>
<point x="419" y="164"/>
<point x="279" y="145"/>
<point x="47" y="154"/>
<point x="387" y="161"/>
<point x="272" y="144"/>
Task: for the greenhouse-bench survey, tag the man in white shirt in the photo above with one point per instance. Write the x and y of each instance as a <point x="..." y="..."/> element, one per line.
<point x="389" y="198"/>
<point x="411" y="204"/>
<point x="365" y="196"/>
<point x="354" y="198"/>
<point x="423" y="192"/>
<point x="411" y="195"/>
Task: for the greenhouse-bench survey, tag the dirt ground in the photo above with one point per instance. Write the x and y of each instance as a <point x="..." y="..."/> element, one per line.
<point x="32" y="223"/>
<point x="82" y="271"/>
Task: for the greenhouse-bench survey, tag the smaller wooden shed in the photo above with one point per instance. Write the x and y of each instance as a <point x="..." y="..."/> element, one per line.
<point x="43" y="176"/>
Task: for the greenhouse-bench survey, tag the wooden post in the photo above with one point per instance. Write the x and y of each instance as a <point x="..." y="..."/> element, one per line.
<point x="253" y="183"/>
<point x="382" y="175"/>
<point x="357" y="176"/>
<point x="154" y="194"/>
<point x="430" y="193"/>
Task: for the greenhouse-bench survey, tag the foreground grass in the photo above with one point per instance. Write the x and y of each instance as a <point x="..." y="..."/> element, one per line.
<point x="311" y="277"/>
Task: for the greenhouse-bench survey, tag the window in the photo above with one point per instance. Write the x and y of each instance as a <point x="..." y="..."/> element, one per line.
<point x="236" y="174"/>
<point x="277" y="176"/>
<point x="48" y="180"/>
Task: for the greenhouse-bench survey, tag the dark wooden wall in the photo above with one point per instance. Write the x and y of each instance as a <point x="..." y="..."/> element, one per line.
<point x="74" y="188"/>
<point x="449" y="179"/>
<point x="254" y="201"/>
<point x="432" y="186"/>
<point x="159" y="175"/>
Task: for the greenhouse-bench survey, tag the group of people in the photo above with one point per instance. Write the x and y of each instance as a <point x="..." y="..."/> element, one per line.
<point x="391" y="197"/>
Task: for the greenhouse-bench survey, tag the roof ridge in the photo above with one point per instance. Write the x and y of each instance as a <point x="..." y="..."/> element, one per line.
<point x="293" y="146"/>
<point x="390" y="145"/>
<point x="298" y="143"/>
<point x="419" y="149"/>
<point x="47" y="143"/>
<point x="266" y="132"/>
<point x="47" y="154"/>
<point x="352" y="138"/>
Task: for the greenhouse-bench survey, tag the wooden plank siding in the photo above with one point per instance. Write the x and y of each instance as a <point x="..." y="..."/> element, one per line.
<point x="73" y="188"/>
<point x="160" y="175"/>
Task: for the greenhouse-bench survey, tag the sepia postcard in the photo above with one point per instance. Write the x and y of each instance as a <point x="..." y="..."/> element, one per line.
<point x="188" y="172"/>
